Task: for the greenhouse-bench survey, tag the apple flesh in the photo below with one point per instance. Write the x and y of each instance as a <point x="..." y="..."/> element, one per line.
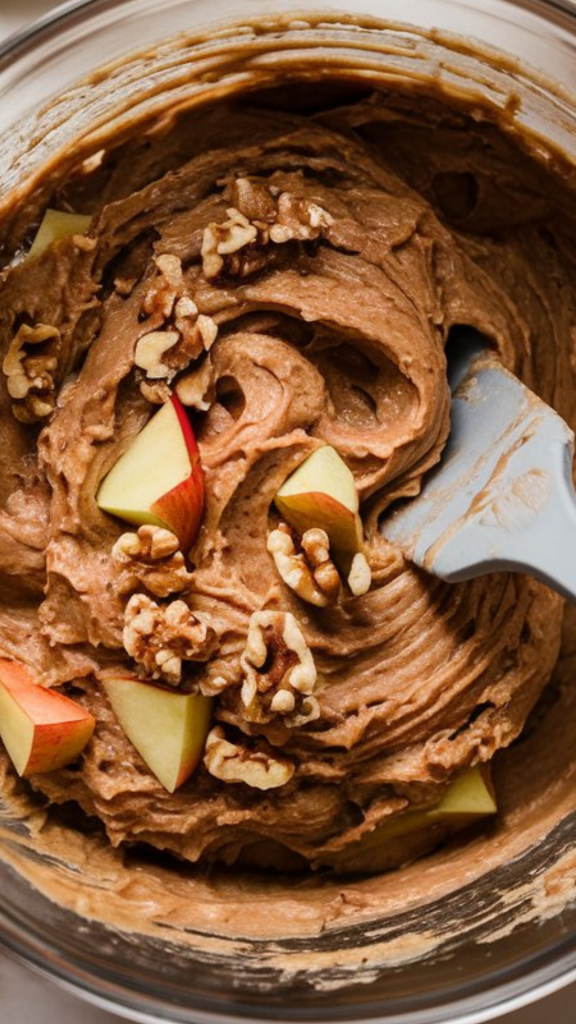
<point x="468" y="799"/>
<point x="168" y="729"/>
<point x="322" y="493"/>
<point x="42" y="730"/>
<point x="57" y="225"/>
<point x="159" y="477"/>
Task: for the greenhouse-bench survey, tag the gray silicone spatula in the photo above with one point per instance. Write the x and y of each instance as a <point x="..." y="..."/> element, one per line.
<point x="502" y="497"/>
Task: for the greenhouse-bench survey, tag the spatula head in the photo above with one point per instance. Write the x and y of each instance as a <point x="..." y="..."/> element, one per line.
<point x="507" y="464"/>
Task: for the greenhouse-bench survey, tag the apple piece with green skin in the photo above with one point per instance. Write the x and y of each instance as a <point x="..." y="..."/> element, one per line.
<point x="466" y="800"/>
<point x="42" y="730"/>
<point x="159" y="477"/>
<point x="168" y="728"/>
<point x="55" y="226"/>
<point x="322" y="493"/>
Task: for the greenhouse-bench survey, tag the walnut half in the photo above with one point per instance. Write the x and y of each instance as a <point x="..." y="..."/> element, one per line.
<point x="161" y="637"/>
<point x="279" y="674"/>
<point x="256" y="766"/>
<point x="151" y="559"/>
<point x="310" y="573"/>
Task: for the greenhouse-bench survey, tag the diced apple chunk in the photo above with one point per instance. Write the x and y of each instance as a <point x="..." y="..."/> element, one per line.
<point x="168" y="729"/>
<point x="159" y="477"/>
<point x="470" y="796"/>
<point x="322" y="493"/>
<point x="41" y="729"/>
<point x="468" y="799"/>
<point x="57" y="225"/>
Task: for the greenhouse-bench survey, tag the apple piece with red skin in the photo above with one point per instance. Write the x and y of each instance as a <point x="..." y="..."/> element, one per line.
<point x="56" y="225"/>
<point x="41" y="729"/>
<point x="322" y="493"/>
<point x="159" y="477"/>
<point x="167" y="728"/>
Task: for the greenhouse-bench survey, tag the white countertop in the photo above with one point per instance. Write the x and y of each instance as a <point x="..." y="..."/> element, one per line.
<point x="26" y="998"/>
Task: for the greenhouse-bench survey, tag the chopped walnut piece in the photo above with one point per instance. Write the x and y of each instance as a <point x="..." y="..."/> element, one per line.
<point x="260" y="216"/>
<point x="208" y="331"/>
<point x="216" y="680"/>
<point x="192" y="389"/>
<point x="151" y="559"/>
<point x="182" y="333"/>
<point x="165" y="288"/>
<point x="185" y="319"/>
<point x="198" y="332"/>
<point x="162" y="354"/>
<point x="161" y="637"/>
<point x="360" y="576"/>
<point x="84" y="243"/>
<point x="157" y="392"/>
<point x="149" y="352"/>
<point x="316" y="547"/>
<point x="254" y="199"/>
<point x="279" y="674"/>
<point x="257" y="767"/>
<point x="30" y="377"/>
<point x="220" y="240"/>
<point x="310" y="573"/>
<point x="298" y="219"/>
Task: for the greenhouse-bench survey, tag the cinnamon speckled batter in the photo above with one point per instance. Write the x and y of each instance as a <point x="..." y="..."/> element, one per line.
<point x="435" y="219"/>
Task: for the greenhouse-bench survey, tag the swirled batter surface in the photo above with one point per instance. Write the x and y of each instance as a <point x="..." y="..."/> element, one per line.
<point x="332" y="333"/>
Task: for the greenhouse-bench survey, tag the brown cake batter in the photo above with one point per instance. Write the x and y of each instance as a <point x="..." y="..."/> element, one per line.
<point x="375" y="223"/>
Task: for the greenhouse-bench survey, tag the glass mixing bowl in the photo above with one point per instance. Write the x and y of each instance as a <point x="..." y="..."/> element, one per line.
<point x="482" y="940"/>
